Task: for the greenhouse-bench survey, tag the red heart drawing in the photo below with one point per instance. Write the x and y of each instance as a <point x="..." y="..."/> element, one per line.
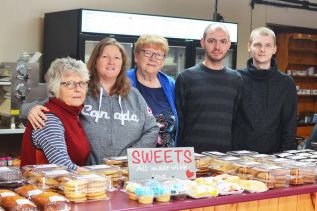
<point x="189" y="174"/>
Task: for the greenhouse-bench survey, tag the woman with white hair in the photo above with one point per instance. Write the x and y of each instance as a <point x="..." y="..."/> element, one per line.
<point x="62" y="140"/>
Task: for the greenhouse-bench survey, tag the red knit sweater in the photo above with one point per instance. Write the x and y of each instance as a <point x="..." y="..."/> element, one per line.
<point x="76" y="140"/>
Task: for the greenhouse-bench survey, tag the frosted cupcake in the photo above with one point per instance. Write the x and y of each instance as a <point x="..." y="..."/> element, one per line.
<point x="130" y="188"/>
<point x="145" y="195"/>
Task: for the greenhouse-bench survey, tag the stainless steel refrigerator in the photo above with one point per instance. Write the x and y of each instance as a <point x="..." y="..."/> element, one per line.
<point x="75" y="33"/>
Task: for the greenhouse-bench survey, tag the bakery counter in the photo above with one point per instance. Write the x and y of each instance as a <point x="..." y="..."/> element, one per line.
<point x="286" y="199"/>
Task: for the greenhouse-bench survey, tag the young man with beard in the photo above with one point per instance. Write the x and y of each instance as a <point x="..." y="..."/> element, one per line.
<point x="266" y="116"/>
<point x="206" y="96"/>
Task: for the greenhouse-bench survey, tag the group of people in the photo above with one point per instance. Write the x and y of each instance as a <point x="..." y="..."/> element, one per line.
<point x="100" y="109"/>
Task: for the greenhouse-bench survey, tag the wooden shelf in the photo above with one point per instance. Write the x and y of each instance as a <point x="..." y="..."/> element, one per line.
<point x="299" y="52"/>
<point x="305" y="124"/>
<point x="304" y="76"/>
<point x="305" y="95"/>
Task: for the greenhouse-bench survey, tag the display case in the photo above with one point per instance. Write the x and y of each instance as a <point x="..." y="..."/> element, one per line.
<point x="81" y="29"/>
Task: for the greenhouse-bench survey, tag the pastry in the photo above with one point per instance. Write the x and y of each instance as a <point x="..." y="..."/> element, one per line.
<point x="5" y="193"/>
<point x="145" y="195"/>
<point x="28" y="190"/>
<point x="75" y="190"/>
<point x="130" y="188"/>
<point x="296" y="180"/>
<point x="51" y="201"/>
<point x="17" y="203"/>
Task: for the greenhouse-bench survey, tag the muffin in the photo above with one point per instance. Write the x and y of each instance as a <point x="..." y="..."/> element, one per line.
<point x="145" y="195"/>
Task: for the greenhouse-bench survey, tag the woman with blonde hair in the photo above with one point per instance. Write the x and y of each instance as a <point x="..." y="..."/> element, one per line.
<point x="156" y="87"/>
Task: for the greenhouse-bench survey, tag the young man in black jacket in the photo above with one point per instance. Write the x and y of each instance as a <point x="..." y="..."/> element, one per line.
<point x="266" y="117"/>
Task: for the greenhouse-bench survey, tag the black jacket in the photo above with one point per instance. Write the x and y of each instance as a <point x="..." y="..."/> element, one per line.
<point x="266" y="117"/>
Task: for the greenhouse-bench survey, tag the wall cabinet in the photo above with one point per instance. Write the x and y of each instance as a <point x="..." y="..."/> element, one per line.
<point x="297" y="56"/>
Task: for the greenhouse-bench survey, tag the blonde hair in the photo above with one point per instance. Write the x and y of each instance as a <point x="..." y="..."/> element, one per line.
<point x="151" y="40"/>
<point x="264" y="31"/>
<point x="54" y="74"/>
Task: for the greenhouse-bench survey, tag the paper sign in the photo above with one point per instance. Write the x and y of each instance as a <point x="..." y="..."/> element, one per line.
<point x="161" y="163"/>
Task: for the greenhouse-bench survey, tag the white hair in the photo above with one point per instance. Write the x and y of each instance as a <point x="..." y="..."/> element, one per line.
<point x="60" y="66"/>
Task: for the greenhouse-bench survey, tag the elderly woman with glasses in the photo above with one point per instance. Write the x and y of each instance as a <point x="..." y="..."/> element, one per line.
<point x="62" y="140"/>
<point x="156" y="87"/>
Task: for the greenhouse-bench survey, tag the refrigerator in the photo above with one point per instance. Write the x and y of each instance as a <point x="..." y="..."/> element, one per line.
<point x="74" y="33"/>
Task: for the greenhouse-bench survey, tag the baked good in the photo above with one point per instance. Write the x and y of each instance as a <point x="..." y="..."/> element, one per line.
<point x="130" y="188"/>
<point x="145" y="195"/>
<point x="296" y="180"/>
<point x="5" y="193"/>
<point x="74" y="189"/>
<point x="51" y="201"/>
<point x="163" y="198"/>
<point x="28" y="190"/>
<point x="9" y="175"/>
<point x="16" y="203"/>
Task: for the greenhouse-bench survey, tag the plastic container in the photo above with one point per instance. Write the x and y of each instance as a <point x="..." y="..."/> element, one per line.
<point x="49" y="179"/>
<point x="113" y="172"/>
<point x="121" y="161"/>
<point x="223" y="165"/>
<point x="302" y="173"/>
<point x="51" y="201"/>
<point x="78" y="188"/>
<point x="272" y="175"/>
<point x="27" y="171"/>
<point x="241" y="153"/>
<point x="245" y="169"/>
<point x="10" y="175"/>
<point x="258" y="157"/>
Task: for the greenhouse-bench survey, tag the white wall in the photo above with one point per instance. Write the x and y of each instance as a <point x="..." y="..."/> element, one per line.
<point x="21" y="22"/>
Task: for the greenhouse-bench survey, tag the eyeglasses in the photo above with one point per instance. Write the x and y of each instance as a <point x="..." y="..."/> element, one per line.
<point x="73" y="84"/>
<point x="149" y="54"/>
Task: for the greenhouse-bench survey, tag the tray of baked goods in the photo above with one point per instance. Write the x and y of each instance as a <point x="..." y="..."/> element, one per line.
<point x="19" y="199"/>
<point x="147" y="191"/>
<point x="114" y="172"/>
<point x="121" y="161"/>
<point x="91" y="186"/>
<point x="10" y="176"/>
<point x="224" y="164"/>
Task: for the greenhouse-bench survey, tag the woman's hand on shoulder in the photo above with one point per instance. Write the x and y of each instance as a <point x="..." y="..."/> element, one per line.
<point x="37" y="116"/>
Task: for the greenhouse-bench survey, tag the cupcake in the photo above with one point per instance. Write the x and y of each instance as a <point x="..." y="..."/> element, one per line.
<point x="145" y="195"/>
<point x="162" y="194"/>
<point x="130" y="188"/>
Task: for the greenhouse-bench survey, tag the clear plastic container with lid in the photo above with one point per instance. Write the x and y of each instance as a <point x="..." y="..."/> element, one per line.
<point x="245" y="168"/>
<point x="241" y="153"/>
<point x="273" y="176"/>
<point x="112" y="171"/>
<point x="49" y="178"/>
<point x="121" y="161"/>
<point x="27" y="171"/>
<point x="10" y="175"/>
<point x="222" y="165"/>
<point x="302" y="173"/>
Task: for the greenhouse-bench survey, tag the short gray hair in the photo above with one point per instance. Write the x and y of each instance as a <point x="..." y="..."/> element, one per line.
<point x="54" y="74"/>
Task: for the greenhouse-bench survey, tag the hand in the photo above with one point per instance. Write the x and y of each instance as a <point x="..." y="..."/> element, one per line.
<point x="37" y="117"/>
